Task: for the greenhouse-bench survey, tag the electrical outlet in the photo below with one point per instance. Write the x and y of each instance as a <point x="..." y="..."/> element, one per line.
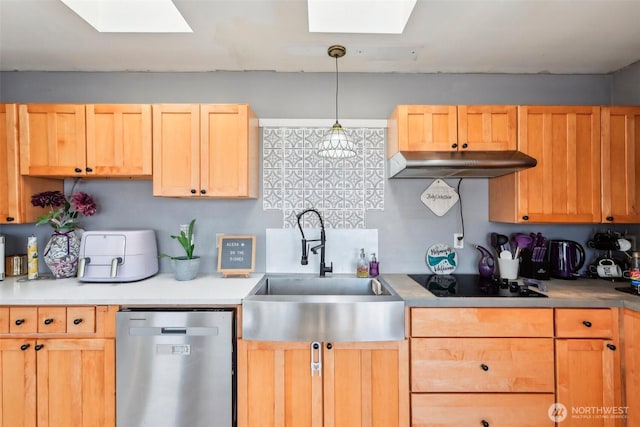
<point x="458" y="241"/>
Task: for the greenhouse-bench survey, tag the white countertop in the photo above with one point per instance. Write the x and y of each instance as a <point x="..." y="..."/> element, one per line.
<point x="162" y="289"/>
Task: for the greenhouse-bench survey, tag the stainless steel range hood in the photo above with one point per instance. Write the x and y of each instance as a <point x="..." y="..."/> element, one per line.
<point x="457" y="164"/>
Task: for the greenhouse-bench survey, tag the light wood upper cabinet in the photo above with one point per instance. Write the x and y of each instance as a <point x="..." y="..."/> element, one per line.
<point x="452" y="128"/>
<point x="205" y="151"/>
<point x="52" y="139"/>
<point x="487" y="127"/>
<point x="15" y="200"/>
<point x="564" y="187"/>
<point x="357" y="384"/>
<point x="621" y="164"/>
<point x="119" y="140"/>
<point x="96" y="140"/>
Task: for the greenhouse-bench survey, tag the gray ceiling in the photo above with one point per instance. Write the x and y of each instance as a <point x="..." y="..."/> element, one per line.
<point x="448" y="36"/>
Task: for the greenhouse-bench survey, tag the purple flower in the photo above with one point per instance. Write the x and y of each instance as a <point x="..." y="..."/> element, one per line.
<point x="84" y="203"/>
<point x="54" y="199"/>
<point x="63" y="213"/>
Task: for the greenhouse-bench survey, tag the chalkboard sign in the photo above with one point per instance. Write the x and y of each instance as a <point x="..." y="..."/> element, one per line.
<point x="236" y="255"/>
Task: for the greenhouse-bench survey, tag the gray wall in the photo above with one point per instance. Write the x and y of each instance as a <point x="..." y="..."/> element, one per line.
<point x="406" y="227"/>
<point x="626" y="86"/>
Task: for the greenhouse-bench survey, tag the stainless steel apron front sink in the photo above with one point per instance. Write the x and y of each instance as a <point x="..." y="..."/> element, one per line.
<point x="311" y="308"/>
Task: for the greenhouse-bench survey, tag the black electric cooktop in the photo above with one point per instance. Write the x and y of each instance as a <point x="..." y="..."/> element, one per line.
<point x="472" y="285"/>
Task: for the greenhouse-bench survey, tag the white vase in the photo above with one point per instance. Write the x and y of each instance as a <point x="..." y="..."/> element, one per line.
<point x="61" y="254"/>
<point x="184" y="268"/>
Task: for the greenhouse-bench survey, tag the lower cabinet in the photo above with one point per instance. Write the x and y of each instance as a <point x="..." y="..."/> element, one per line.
<point x="482" y="367"/>
<point x="323" y="384"/>
<point x="588" y="377"/>
<point x="65" y="378"/>
<point x="631" y="351"/>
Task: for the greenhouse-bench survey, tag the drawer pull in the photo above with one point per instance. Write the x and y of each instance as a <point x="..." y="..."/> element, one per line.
<point x="48" y="321"/>
<point x="38" y="347"/>
<point x="611" y="347"/>
<point x="77" y="321"/>
<point x="23" y="347"/>
<point x="19" y="322"/>
<point x="485" y="423"/>
<point x="484" y="367"/>
<point x="329" y="346"/>
<point x="586" y="323"/>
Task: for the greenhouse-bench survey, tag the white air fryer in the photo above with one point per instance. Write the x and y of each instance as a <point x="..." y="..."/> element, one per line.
<point x="117" y="256"/>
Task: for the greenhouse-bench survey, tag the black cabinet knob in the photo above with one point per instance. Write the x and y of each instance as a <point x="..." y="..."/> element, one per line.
<point x="465" y="145"/>
<point x="329" y="346"/>
<point x="48" y="321"/>
<point x="609" y="218"/>
<point x="586" y="323"/>
<point x="10" y="218"/>
<point x="19" y="322"/>
<point x="38" y="347"/>
<point x="485" y="423"/>
<point x="203" y="191"/>
<point x="23" y="347"/>
<point x="77" y="170"/>
<point x="316" y="346"/>
<point x="193" y="191"/>
<point x="454" y="145"/>
<point x="89" y="169"/>
<point x="77" y="321"/>
<point x="611" y="347"/>
<point x="525" y="217"/>
<point x="484" y="367"/>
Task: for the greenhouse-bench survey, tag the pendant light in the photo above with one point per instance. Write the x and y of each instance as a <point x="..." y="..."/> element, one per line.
<point x="335" y="143"/>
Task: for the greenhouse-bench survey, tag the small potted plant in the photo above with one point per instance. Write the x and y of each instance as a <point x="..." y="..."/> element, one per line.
<point x="185" y="267"/>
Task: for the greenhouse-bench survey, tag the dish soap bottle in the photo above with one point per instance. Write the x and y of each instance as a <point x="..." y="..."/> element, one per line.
<point x="362" y="270"/>
<point x="373" y="266"/>
<point x="634" y="271"/>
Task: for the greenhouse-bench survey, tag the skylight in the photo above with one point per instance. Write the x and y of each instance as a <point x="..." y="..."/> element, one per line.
<point x="359" y="16"/>
<point x="130" y="16"/>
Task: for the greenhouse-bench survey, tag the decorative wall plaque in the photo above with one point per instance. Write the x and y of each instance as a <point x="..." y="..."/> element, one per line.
<point x="439" y="197"/>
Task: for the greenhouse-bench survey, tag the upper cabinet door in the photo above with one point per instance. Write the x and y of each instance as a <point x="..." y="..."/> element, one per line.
<point x="52" y="139"/>
<point x="176" y="150"/>
<point x="621" y="164"/>
<point x="422" y="128"/>
<point x="229" y="151"/>
<point x="119" y="140"/>
<point x="565" y="185"/>
<point x="487" y="127"/>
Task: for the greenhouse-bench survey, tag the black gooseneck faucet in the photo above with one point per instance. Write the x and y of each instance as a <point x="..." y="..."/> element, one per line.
<point x="305" y="248"/>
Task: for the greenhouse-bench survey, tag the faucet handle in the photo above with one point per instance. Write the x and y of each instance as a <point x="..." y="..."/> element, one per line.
<point x="328" y="269"/>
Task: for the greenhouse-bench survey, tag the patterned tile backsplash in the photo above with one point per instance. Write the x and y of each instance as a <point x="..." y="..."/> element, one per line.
<point x="296" y="178"/>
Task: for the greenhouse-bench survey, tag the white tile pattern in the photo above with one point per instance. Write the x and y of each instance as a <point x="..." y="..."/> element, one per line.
<point x="296" y="178"/>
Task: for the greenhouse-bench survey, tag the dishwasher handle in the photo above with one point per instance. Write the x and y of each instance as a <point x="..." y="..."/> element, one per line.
<point x="179" y="331"/>
<point x="146" y="331"/>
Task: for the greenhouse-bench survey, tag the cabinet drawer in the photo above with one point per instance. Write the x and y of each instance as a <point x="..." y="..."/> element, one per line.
<point x="482" y="365"/>
<point x="4" y="320"/>
<point x="52" y="320"/>
<point x="23" y="320"/>
<point x="498" y="410"/>
<point x="81" y="320"/>
<point x="586" y="322"/>
<point x="482" y="322"/>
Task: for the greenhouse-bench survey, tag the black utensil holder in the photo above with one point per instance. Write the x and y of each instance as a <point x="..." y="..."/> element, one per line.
<point x="533" y="269"/>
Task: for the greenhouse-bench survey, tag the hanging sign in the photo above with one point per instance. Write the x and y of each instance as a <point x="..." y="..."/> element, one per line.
<point x="439" y="197"/>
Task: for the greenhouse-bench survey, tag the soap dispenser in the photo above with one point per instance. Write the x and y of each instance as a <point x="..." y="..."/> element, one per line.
<point x="362" y="270"/>
<point x="373" y="266"/>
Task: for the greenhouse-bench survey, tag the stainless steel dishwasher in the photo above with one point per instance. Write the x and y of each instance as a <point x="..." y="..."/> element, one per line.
<point x="175" y="368"/>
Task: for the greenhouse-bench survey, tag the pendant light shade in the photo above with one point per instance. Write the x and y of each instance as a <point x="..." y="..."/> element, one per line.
<point x="335" y="143"/>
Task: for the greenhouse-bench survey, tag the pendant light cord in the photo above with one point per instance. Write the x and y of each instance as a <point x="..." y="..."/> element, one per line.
<point x="336" y="89"/>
